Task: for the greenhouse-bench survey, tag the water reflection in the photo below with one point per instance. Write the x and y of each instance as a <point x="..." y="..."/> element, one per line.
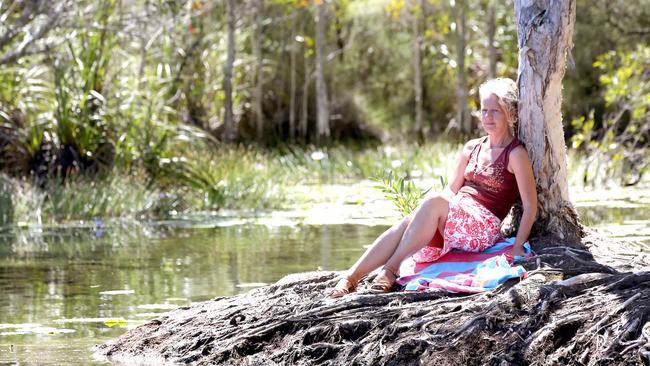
<point x="61" y="285"/>
<point x="618" y="213"/>
<point x="627" y="222"/>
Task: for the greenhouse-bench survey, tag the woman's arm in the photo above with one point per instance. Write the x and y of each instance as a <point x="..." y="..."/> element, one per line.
<point x="522" y="168"/>
<point x="458" y="179"/>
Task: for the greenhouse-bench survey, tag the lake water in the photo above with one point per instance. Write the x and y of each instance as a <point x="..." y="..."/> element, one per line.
<point x="65" y="289"/>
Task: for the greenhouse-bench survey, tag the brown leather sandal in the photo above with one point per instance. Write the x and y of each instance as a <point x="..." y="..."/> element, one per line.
<point x="344" y="287"/>
<point x="384" y="281"/>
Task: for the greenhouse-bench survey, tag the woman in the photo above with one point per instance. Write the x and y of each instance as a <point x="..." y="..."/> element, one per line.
<point x="493" y="171"/>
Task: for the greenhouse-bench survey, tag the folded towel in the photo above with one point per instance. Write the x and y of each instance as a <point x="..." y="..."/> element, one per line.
<point x="460" y="271"/>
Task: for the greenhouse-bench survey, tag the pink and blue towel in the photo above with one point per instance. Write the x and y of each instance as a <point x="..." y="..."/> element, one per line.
<point x="460" y="271"/>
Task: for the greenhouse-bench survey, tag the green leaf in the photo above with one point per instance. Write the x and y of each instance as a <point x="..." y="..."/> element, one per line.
<point x="115" y="322"/>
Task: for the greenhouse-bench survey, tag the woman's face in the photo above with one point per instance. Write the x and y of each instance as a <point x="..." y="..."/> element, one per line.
<point x="493" y="117"/>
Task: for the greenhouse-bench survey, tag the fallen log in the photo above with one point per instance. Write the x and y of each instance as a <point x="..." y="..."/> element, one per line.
<point x="571" y="309"/>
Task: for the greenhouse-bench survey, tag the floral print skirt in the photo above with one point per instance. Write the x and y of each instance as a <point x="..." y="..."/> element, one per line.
<point x="470" y="227"/>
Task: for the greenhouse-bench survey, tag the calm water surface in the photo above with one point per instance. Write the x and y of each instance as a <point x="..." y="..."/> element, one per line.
<point x="66" y="289"/>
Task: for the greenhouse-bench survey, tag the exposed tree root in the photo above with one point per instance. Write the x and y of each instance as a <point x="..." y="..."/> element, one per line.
<point x="570" y="310"/>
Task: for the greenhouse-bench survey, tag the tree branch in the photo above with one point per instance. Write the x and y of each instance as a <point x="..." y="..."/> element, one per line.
<point x="29" y="14"/>
<point x="25" y="47"/>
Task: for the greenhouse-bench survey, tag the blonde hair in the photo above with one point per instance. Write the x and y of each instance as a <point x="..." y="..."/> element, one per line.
<point x="506" y="90"/>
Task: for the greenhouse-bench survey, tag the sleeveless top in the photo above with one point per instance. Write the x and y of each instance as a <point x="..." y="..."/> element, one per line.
<point x="492" y="185"/>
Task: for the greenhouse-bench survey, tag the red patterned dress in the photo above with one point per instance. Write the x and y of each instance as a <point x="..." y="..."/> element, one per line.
<point x="476" y="211"/>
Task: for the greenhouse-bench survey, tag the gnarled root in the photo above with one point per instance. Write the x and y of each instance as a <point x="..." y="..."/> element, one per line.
<point x="569" y="310"/>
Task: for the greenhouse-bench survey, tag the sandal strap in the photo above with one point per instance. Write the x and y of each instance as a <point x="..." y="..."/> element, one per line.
<point x="383" y="283"/>
<point x="343" y="287"/>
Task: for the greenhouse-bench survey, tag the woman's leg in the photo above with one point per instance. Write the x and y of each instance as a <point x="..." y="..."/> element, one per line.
<point x="430" y="216"/>
<point x="395" y="244"/>
<point x="378" y="253"/>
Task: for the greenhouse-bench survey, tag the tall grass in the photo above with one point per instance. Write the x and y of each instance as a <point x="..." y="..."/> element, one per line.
<point x="234" y="177"/>
<point x="341" y="163"/>
<point x="209" y="177"/>
<point x="215" y="177"/>
<point x="112" y="196"/>
<point x="6" y="201"/>
<point x="78" y="199"/>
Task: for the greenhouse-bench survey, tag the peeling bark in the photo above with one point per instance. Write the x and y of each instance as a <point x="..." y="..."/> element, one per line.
<point x="545" y="30"/>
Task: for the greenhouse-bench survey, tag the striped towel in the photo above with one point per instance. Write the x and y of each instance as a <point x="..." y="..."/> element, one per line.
<point x="460" y="271"/>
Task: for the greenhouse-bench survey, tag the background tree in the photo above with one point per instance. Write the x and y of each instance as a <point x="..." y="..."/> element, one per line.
<point x="463" y="118"/>
<point x="229" y="123"/>
<point x="257" y="50"/>
<point x="26" y="25"/>
<point x="293" y="50"/>
<point x="322" y="100"/>
<point x="417" y="15"/>
<point x="491" y="31"/>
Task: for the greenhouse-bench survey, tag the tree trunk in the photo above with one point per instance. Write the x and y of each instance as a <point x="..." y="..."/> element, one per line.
<point x="281" y="88"/>
<point x="463" y="119"/>
<point x="322" y="104"/>
<point x="417" y="72"/>
<point x="292" y="87"/>
<point x="304" y="110"/>
<point x="491" y="30"/>
<point x="229" y="123"/>
<point x="257" y="51"/>
<point x="545" y="30"/>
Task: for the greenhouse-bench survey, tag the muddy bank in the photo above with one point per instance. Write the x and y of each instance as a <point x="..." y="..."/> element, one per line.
<point x="571" y="309"/>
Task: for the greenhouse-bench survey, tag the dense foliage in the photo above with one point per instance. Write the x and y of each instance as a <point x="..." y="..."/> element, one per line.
<point x="149" y="88"/>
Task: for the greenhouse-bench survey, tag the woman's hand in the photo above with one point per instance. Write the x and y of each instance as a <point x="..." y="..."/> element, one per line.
<point x="517" y="251"/>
